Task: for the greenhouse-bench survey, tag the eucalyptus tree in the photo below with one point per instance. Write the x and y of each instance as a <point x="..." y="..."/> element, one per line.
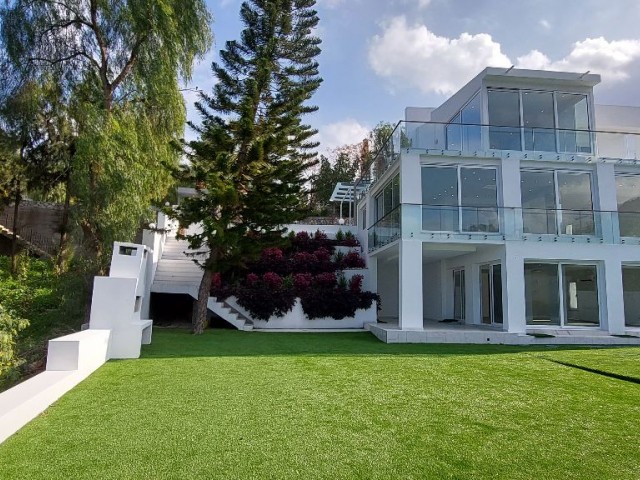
<point x="250" y="162"/>
<point x="119" y="64"/>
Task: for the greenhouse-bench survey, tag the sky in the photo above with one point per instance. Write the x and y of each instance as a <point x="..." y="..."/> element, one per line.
<point x="380" y="56"/>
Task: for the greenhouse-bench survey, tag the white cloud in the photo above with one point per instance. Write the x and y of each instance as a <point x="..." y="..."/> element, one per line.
<point x="611" y="59"/>
<point x="423" y="3"/>
<point x="545" y="24"/>
<point x="344" y="132"/>
<point x="331" y="3"/>
<point x="415" y="56"/>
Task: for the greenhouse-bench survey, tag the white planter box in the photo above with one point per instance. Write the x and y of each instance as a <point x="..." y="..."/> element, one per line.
<point x="296" y="319"/>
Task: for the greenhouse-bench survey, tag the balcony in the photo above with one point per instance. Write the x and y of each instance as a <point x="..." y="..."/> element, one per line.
<point x="452" y="223"/>
<point x="481" y="140"/>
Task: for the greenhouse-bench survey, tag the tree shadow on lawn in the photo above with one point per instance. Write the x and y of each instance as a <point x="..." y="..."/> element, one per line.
<point x="171" y="343"/>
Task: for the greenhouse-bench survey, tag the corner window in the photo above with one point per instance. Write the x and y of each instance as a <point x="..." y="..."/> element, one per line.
<point x="628" y="194"/>
<point x="389" y="198"/>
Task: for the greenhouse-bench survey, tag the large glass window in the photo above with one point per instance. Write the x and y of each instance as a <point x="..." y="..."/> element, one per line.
<point x="504" y="119"/>
<point x="631" y="289"/>
<point x="538" y="202"/>
<point x="440" y="198"/>
<point x="459" y="199"/>
<point x="569" y="211"/>
<point x="464" y="131"/>
<point x="573" y="119"/>
<point x="574" y="190"/>
<point x="580" y="295"/>
<point x="547" y="121"/>
<point x="538" y="121"/>
<point x="389" y="198"/>
<point x="542" y="296"/>
<point x="628" y="193"/>
<point x="479" y="200"/>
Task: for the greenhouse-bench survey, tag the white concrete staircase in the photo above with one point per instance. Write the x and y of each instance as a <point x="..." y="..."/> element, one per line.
<point x="178" y="273"/>
<point x="229" y="314"/>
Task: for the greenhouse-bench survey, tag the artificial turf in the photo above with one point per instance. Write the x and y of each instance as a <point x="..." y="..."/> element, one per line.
<point x="236" y="405"/>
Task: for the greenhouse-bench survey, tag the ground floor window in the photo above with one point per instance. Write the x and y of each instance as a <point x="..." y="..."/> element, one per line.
<point x="631" y="291"/>
<point x="561" y="294"/>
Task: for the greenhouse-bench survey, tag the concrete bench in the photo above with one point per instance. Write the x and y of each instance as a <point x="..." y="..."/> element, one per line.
<point x="85" y="350"/>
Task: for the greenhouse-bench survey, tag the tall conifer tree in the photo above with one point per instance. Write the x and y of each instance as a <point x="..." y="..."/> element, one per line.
<point x="250" y="162"/>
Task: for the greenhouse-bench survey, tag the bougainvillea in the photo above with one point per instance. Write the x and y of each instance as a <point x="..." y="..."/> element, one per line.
<point x="304" y="269"/>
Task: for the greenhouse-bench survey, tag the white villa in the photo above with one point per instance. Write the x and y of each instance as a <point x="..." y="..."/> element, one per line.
<point x="514" y="207"/>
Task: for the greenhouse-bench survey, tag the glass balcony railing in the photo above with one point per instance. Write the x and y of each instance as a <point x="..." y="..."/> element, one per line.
<point x="385" y="230"/>
<point x="542" y="143"/>
<point x="497" y="224"/>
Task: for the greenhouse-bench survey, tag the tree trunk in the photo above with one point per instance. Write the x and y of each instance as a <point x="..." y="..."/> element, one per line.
<point x="64" y="226"/>
<point x="199" y="318"/>
<point x="14" y="227"/>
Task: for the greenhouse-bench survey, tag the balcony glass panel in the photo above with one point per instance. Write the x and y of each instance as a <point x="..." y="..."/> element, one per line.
<point x="575" y="200"/>
<point x="479" y="200"/>
<point x="580" y="295"/>
<point x="538" y="202"/>
<point x="628" y="192"/>
<point x="454" y="134"/>
<point x="572" y="116"/>
<point x="542" y="297"/>
<point x="471" y="130"/>
<point x="504" y="116"/>
<point x="538" y="120"/>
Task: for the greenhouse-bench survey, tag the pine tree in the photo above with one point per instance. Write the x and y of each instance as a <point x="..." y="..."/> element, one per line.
<point x="250" y="161"/>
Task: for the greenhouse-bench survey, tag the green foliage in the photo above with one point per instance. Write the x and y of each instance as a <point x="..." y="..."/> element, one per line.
<point x="54" y="304"/>
<point x="250" y="161"/>
<point x="10" y="327"/>
<point x="120" y="92"/>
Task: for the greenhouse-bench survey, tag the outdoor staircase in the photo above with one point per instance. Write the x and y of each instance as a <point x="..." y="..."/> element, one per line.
<point x="178" y="273"/>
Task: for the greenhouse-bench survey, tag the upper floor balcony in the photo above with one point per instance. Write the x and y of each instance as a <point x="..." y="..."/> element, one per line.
<point x="492" y="224"/>
<point x="500" y="141"/>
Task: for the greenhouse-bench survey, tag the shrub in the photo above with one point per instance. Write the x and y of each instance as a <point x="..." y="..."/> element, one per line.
<point x="339" y="236"/>
<point x="303" y="262"/>
<point x="10" y="327"/>
<point x="267" y="296"/>
<point x="302" y="282"/>
<point x="350" y="240"/>
<point x="355" y="284"/>
<point x="353" y="260"/>
<point x="272" y="260"/>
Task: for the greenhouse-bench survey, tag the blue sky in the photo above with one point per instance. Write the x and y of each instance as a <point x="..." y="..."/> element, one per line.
<point x="380" y="56"/>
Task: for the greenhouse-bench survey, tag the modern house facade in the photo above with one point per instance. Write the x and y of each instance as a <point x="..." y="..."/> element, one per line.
<point x="514" y="205"/>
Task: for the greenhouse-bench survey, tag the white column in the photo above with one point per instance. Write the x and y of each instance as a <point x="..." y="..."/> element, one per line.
<point x="513" y="296"/>
<point x="613" y="313"/>
<point x="511" y="198"/>
<point x="410" y="264"/>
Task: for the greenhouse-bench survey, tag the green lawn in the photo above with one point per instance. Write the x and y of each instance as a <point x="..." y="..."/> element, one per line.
<point x="235" y="405"/>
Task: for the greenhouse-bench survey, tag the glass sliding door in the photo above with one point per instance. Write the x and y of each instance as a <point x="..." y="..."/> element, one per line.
<point x="440" y="199"/>
<point x="573" y="120"/>
<point x="479" y="200"/>
<point x="491" y="294"/>
<point x="542" y="295"/>
<point x="538" y="121"/>
<point x="458" y="295"/>
<point x="580" y="295"/>
<point x="628" y="193"/>
<point x="575" y="202"/>
<point x="504" y="119"/>
<point x="538" y="202"/>
<point x="631" y="291"/>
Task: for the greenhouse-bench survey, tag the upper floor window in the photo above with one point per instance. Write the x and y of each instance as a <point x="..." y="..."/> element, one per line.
<point x="557" y="202"/>
<point x="538" y="121"/>
<point x="464" y="131"/>
<point x="388" y="198"/>
<point x="459" y="199"/>
<point x="628" y="193"/>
